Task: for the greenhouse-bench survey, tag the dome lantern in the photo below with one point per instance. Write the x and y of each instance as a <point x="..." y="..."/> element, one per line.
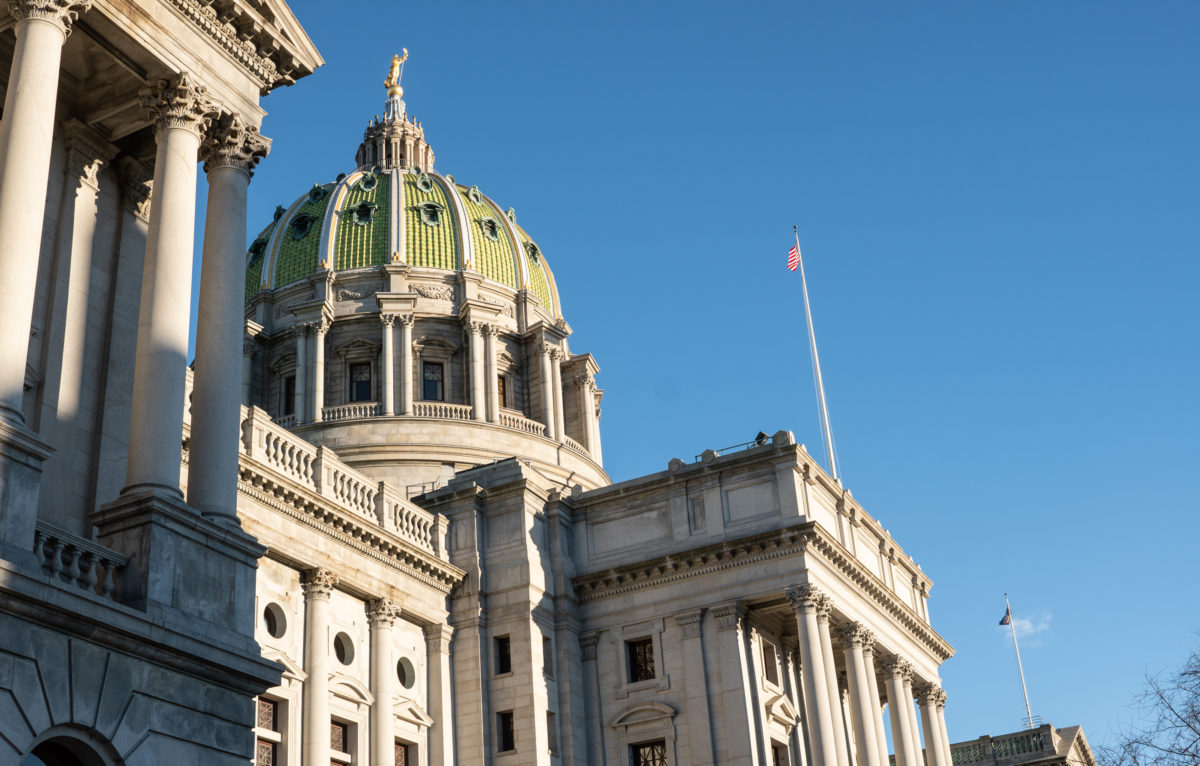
<point x="396" y="140"/>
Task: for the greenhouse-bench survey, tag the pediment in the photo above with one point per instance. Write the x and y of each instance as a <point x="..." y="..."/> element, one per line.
<point x="350" y="689"/>
<point x="358" y="347"/>
<point x="780" y="709"/>
<point x="408" y="710"/>
<point x="654" y="713"/>
<point x="291" y="669"/>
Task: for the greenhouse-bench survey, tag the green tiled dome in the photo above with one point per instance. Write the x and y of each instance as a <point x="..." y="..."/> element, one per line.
<point x="374" y="217"/>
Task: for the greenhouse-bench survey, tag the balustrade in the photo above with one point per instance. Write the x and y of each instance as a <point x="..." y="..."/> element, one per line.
<point x="77" y="561"/>
<point x="574" y="446"/>
<point x="352" y="411"/>
<point x="443" y="410"/>
<point x="521" y="423"/>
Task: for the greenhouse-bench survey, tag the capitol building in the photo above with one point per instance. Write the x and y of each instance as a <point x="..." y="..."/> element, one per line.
<point x="371" y="523"/>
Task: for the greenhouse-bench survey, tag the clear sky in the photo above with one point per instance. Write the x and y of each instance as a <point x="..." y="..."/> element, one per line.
<point x="997" y="206"/>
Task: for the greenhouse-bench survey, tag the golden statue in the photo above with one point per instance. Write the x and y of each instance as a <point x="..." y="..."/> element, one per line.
<point x="392" y="83"/>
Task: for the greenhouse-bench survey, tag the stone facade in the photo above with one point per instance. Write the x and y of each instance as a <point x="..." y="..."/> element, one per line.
<point x="413" y="555"/>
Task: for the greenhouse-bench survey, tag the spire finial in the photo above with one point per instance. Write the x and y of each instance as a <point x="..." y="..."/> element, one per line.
<point x="392" y="83"/>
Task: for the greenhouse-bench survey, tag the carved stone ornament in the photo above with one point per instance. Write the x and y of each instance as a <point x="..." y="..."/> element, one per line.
<point x="318" y="583"/>
<point x="804" y="597"/>
<point x="136" y="185"/>
<point x="854" y="634"/>
<point x="491" y="329"/>
<point x="437" y="638"/>
<point x="406" y="320"/>
<point x="227" y="35"/>
<point x="61" y="12"/>
<point x="893" y="666"/>
<point x="475" y="328"/>
<point x="728" y="615"/>
<point x="381" y="611"/>
<point x="179" y="103"/>
<point x="926" y="693"/>
<point x="435" y="292"/>
<point x="939" y="699"/>
<point x="825" y="609"/>
<point x="587" y="645"/>
<point x="231" y="143"/>
<point x="387" y="320"/>
<point x="689" y="622"/>
<point x="350" y="295"/>
<point x="301" y="329"/>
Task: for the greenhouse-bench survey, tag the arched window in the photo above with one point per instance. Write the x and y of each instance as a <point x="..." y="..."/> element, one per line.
<point x="431" y="213"/>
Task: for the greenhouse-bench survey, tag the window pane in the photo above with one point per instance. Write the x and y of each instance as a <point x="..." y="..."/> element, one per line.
<point x="641" y="659"/>
<point x="264" y="754"/>
<point x="648" y="754"/>
<point x="288" y="405"/>
<point x="503" y="655"/>
<point x="506" y="739"/>
<point x="770" y="667"/>
<point x="266" y="714"/>
<point x="502" y="387"/>
<point x="337" y="737"/>
<point x="360" y="382"/>
<point x="433" y="376"/>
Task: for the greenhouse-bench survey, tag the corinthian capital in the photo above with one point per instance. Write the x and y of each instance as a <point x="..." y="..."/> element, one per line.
<point x="804" y="597"/>
<point x="60" y="12"/>
<point x="855" y="633"/>
<point x="317" y="583"/>
<point x="381" y="611"/>
<point x="179" y="103"/>
<point x="231" y="143"/>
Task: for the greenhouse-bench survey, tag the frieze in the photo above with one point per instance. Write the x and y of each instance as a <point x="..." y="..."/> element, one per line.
<point x="434" y="292"/>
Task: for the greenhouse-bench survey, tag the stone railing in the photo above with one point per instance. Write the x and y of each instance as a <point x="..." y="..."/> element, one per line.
<point x="575" y="446"/>
<point x="286" y="421"/>
<point x="1007" y="748"/>
<point x="77" y="561"/>
<point x="351" y="411"/>
<point x="319" y="470"/>
<point x="521" y="423"/>
<point x="442" y="410"/>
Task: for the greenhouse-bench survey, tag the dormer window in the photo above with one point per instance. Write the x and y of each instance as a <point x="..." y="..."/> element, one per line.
<point x="424" y="182"/>
<point x="316" y="193"/>
<point x="363" y="213"/>
<point x="491" y="229"/>
<point x="430" y="212"/>
<point x="258" y="247"/>
<point x="301" y="225"/>
<point x="368" y="182"/>
<point x="279" y="211"/>
<point x="475" y="196"/>
<point x="511" y="213"/>
<point x="534" y="252"/>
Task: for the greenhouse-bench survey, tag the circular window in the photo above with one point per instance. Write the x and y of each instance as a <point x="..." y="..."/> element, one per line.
<point x="274" y="620"/>
<point x="405" y="672"/>
<point x="343" y="648"/>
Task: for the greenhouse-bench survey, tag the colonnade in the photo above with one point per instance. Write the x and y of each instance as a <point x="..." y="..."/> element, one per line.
<point x="188" y="126"/>
<point x="318" y="586"/>
<point x="849" y="730"/>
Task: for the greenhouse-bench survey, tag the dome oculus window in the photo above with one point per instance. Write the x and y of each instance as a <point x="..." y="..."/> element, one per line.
<point x="424" y="182"/>
<point x="364" y="213"/>
<point x="430" y="213"/>
<point x="491" y="229"/>
<point x="301" y="225"/>
<point x="258" y="247"/>
<point x="316" y="193"/>
<point x="368" y="182"/>
<point x="534" y="252"/>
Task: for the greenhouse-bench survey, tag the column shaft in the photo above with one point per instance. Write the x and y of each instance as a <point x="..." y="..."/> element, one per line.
<point x="216" y="398"/>
<point x="864" y="709"/>
<point x="910" y="710"/>
<point x="700" y="742"/>
<point x="301" y="332"/>
<point x="930" y="724"/>
<point x="441" y="733"/>
<point x="881" y="745"/>
<point x="156" y="430"/>
<point x="318" y="584"/>
<point x="738" y="718"/>
<point x="478" y="405"/>
<point x="388" y="393"/>
<point x="805" y="602"/>
<point x="381" y="615"/>
<point x="560" y="430"/>
<point x="947" y="755"/>
<point x="319" y="330"/>
<point x="841" y="743"/>
<point x="407" y="377"/>
<point x="490" y="371"/>
<point x="547" y="392"/>
<point x="26" y="135"/>
<point x="902" y="733"/>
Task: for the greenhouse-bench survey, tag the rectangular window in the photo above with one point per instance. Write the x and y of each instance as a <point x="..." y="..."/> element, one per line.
<point x="641" y="659"/>
<point x="339" y="744"/>
<point x="503" y="655"/>
<point x="502" y="387"/>
<point x="506" y="739"/>
<point x="360" y="382"/>
<point x="287" y="404"/>
<point x="547" y="657"/>
<point x="770" y="665"/>
<point x="552" y="732"/>
<point x="432" y="388"/>
<point x="779" y="754"/>
<point x="648" y="754"/>
<point x="266" y="733"/>
<point x="405" y="754"/>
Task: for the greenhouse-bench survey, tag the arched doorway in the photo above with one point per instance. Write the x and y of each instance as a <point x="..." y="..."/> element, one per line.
<point x="64" y="751"/>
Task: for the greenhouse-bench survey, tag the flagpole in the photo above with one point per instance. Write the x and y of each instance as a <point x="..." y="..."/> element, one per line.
<point x="1012" y="624"/>
<point x="812" y="344"/>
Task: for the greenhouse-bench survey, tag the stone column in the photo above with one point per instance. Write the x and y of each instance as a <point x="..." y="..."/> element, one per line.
<point x="182" y="112"/>
<point x="587" y="402"/>
<point x="319" y="330"/>
<point x="864" y="709"/>
<point x="806" y="601"/>
<point x="556" y="357"/>
<point x="824" y="613"/>
<point x="26" y="135"/>
<point x="478" y="405"/>
<point x="911" y="711"/>
<point x="927" y="696"/>
<point x="695" y="688"/>
<point x="788" y="651"/>
<point x="546" y="351"/>
<point x="407" y="376"/>
<point x="387" y="405"/>
<point x="231" y="152"/>
<point x="437" y="660"/>
<point x="249" y="350"/>
<point x="947" y="756"/>
<point x="491" y="372"/>
<point x="301" y="332"/>
<point x="894" y="670"/>
<point x="381" y="616"/>
<point x="735" y="685"/>
<point x="318" y="585"/>
<point x="873" y="685"/>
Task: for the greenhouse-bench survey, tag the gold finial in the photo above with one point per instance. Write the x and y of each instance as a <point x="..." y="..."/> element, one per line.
<point x="392" y="83"/>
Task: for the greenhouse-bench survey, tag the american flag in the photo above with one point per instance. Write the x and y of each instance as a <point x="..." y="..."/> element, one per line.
<point x="793" y="257"/>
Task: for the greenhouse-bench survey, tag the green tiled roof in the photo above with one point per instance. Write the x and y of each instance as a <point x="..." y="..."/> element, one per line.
<point x="254" y="263"/>
<point x="358" y="245"/>
<point x="493" y="257"/>
<point x="425" y="245"/>
<point x="297" y="258"/>
<point x="538" y="283"/>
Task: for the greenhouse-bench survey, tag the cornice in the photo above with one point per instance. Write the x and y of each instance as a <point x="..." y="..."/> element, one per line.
<point x="803" y="539"/>
<point x="225" y="35"/>
<point x="374" y="543"/>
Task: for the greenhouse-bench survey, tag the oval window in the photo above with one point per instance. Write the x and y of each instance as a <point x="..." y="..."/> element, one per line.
<point x="406" y="673"/>
<point x="274" y="620"/>
<point x="343" y="648"/>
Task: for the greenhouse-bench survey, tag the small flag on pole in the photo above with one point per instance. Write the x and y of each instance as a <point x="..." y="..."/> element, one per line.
<point x="1007" y="619"/>
<point x="793" y="257"/>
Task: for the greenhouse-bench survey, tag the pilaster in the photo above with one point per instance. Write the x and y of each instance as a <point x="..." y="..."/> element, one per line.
<point x="695" y="687"/>
<point x="738" y="719"/>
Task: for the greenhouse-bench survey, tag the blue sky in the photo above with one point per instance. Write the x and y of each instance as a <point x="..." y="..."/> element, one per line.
<point x="997" y="206"/>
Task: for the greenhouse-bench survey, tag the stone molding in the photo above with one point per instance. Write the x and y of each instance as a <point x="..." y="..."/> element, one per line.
<point x="382" y="612"/>
<point x="87" y="153"/>
<point x="437" y="638"/>
<point x="179" y="103"/>
<point x="317" y="583"/>
<point x="855" y="634"/>
<point x="940" y="699"/>
<point x="729" y="615"/>
<point x="825" y="610"/>
<point x="804" y="539"/>
<point x="244" y="51"/>
<point x="434" y="292"/>
<point x="405" y="320"/>
<point x="804" y="598"/>
<point x="231" y="143"/>
<point x="927" y="694"/>
<point x="690" y="622"/>
<point x="61" y="13"/>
